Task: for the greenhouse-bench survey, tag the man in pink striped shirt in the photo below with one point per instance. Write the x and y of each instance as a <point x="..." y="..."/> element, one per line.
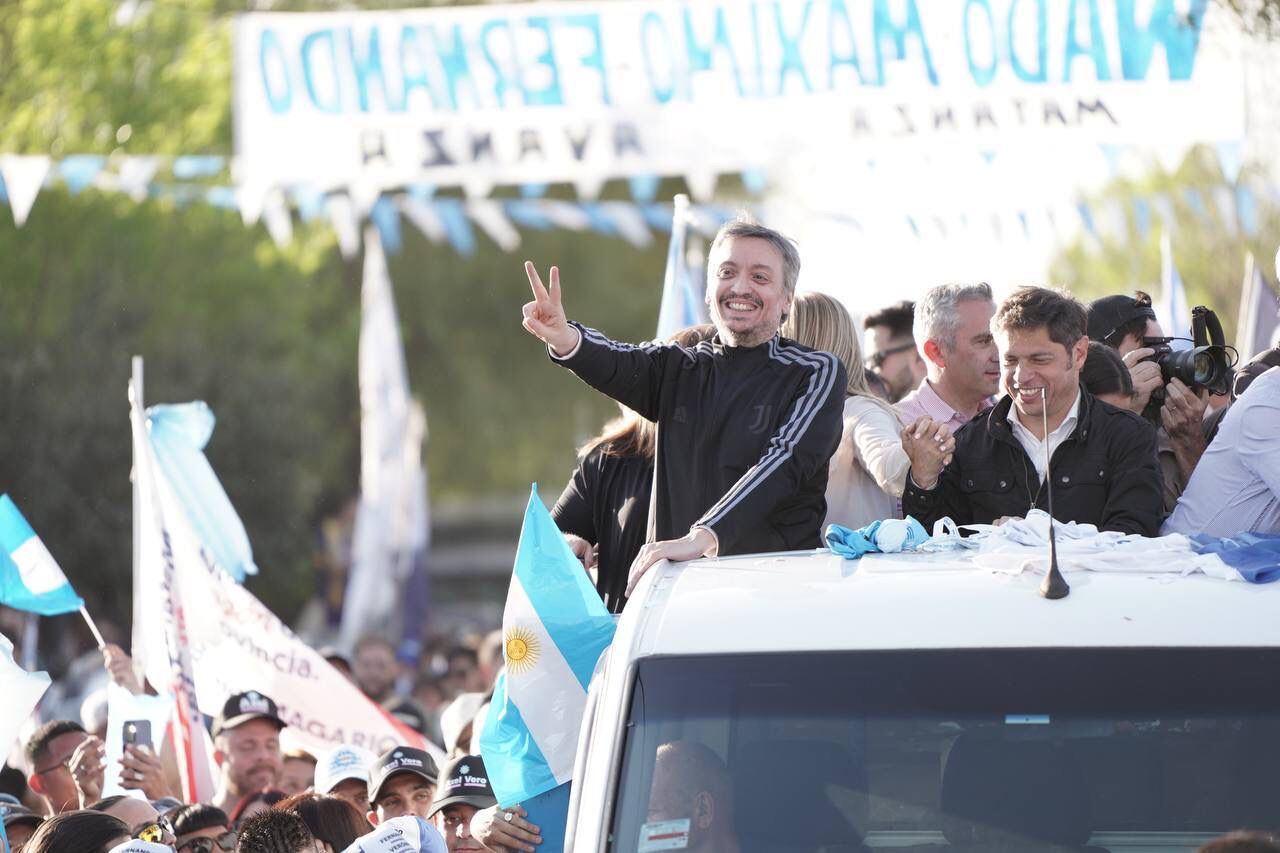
<point x="953" y="331"/>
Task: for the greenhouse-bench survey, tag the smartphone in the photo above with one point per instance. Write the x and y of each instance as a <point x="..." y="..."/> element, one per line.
<point x="137" y="733"/>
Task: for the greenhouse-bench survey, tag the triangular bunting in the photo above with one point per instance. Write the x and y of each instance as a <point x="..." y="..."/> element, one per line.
<point x="702" y="185"/>
<point x="342" y="216"/>
<point x="1230" y="159"/>
<point x="629" y="222"/>
<point x="644" y="188"/>
<point x="135" y="174"/>
<point x="250" y="197"/>
<point x="588" y="186"/>
<point x="488" y="214"/>
<point x="566" y="215"/>
<point x="276" y="216"/>
<point x="423" y="216"/>
<point x="23" y="176"/>
<point x="80" y="170"/>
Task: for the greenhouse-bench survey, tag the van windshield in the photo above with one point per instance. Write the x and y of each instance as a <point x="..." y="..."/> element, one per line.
<point x="1002" y="750"/>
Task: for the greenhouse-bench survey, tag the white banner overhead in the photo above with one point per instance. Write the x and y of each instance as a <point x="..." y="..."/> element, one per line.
<point x="549" y="92"/>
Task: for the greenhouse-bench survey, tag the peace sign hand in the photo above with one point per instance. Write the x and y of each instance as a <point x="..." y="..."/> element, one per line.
<point x="544" y="317"/>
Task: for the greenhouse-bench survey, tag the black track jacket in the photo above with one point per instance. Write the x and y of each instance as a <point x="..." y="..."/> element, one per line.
<point x="744" y="434"/>
<point x="1104" y="473"/>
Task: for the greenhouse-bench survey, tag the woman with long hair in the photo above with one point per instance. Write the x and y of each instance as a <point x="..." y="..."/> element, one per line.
<point x="604" y="509"/>
<point x="333" y="821"/>
<point x="869" y="468"/>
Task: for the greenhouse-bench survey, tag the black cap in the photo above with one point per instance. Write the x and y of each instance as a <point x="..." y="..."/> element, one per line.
<point x="243" y="707"/>
<point x="464" y="780"/>
<point x="333" y="653"/>
<point x="13" y="814"/>
<point x="1258" y="365"/>
<point x="410" y="713"/>
<point x="1109" y="313"/>
<point x="400" y="759"/>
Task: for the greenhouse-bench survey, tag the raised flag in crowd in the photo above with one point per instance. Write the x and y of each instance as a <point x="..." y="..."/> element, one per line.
<point x="30" y="578"/>
<point x="233" y="642"/>
<point x="392" y="524"/>
<point x="1259" y="318"/>
<point x="165" y="548"/>
<point x="178" y="436"/>
<point x="682" y="303"/>
<point x="554" y="629"/>
<point x="1171" y="307"/>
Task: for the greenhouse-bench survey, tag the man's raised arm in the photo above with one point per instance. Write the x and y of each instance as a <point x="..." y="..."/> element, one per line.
<point x="544" y="317"/>
<point x="632" y="375"/>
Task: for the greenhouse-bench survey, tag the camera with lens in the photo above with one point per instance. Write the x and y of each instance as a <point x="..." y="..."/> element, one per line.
<point x="1206" y="365"/>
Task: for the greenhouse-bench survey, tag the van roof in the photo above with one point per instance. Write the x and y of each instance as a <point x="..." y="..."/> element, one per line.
<point x="812" y="601"/>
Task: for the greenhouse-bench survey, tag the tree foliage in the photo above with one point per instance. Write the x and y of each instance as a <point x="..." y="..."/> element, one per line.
<point x="266" y="336"/>
<point x="1209" y="245"/>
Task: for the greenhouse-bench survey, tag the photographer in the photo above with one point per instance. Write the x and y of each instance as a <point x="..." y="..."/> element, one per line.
<point x="1128" y="325"/>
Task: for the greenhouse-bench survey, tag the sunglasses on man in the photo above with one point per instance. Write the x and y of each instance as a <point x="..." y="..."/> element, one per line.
<point x="225" y="841"/>
<point x="158" y="831"/>
<point x="876" y="361"/>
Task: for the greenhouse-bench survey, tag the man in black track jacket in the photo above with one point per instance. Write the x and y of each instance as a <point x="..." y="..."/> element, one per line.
<point x="747" y="422"/>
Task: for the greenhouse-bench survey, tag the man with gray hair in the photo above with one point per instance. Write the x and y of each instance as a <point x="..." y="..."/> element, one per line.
<point x="746" y="421"/>
<point x="953" y="333"/>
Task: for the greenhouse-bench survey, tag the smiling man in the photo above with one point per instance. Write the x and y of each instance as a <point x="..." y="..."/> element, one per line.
<point x="246" y="739"/>
<point x="746" y="421"/>
<point x="1103" y="458"/>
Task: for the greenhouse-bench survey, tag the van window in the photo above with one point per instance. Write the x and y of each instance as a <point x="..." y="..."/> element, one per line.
<point x="1016" y="749"/>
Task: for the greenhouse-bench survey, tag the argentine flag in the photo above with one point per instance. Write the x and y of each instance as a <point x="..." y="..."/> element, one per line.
<point x="1172" y="310"/>
<point x="554" y="629"/>
<point x="29" y="576"/>
<point x="683" y="289"/>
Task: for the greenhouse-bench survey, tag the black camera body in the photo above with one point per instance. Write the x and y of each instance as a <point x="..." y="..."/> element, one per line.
<point x="1206" y="365"/>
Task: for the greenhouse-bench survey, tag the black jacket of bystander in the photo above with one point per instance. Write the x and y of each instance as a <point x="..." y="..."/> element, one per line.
<point x="1104" y="473"/>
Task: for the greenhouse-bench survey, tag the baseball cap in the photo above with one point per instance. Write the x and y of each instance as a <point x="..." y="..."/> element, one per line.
<point x="460" y="713"/>
<point x="1109" y="313"/>
<point x="340" y="764"/>
<point x="240" y="708"/>
<point x="14" y="814"/>
<point x="400" y="759"/>
<point x="464" y="780"/>
<point x="1258" y="365"/>
<point x="405" y="834"/>
<point x="411" y="714"/>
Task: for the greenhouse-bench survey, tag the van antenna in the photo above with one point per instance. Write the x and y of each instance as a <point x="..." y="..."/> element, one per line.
<point x="1055" y="586"/>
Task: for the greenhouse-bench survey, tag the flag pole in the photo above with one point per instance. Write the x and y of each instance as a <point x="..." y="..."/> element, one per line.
<point x="93" y="627"/>
<point x="137" y="645"/>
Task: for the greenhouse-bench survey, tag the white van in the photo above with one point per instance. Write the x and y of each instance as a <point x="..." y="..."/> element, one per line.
<point x="852" y="709"/>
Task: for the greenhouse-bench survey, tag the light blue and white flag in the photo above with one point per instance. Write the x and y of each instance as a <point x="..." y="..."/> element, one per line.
<point x="21" y="690"/>
<point x="1172" y="311"/>
<point x="1259" y="316"/>
<point x="179" y="433"/>
<point x="554" y="629"/>
<point x="1253" y="557"/>
<point x="392" y="527"/>
<point x="29" y="576"/>
<point x="683" y="288"/>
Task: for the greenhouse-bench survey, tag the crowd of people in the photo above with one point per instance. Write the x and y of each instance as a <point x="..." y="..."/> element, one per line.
<point x="749" y="434"/>
<point x="270" y="798"/>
